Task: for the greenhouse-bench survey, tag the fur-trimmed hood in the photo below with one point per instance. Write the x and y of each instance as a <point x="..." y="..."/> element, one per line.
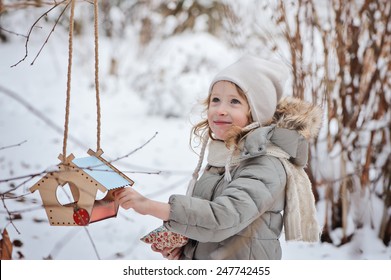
<point x="296" y="114"/>
<point x="294" y="124"/>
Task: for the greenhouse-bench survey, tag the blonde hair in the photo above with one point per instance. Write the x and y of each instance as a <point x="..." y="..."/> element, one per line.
<point x="202" y="128"/>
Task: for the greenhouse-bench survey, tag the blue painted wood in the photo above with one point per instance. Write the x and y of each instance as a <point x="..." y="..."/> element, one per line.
<point x="98" y="170"/>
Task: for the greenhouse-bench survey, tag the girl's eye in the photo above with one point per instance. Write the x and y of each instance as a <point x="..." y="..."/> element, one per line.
<point x="215" y="99"/>
<point x="235" y="101"/>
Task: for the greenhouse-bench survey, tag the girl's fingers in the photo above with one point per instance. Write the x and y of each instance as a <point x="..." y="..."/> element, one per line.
<point x="124" y="198"/>
<point x="154" y="248"/>
<point x="118" y="195"/>
<point x="165" y="253"/>
<point x="118" y="192"/>
<point x="175" y="254"/>
<point x="169" y="253"/>
<point x="125" y="204"/>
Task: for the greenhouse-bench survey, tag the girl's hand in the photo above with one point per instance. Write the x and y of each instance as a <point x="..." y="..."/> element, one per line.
<point x="168" y="253"/>
<point x="129" y="198"/>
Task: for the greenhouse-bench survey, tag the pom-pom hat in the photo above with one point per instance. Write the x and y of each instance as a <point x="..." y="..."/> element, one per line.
<point x="261" y="80"/>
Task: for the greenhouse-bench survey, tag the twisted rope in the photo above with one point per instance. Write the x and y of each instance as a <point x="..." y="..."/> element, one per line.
<point x="98" y="112"/>
<point x="69" y="77"/>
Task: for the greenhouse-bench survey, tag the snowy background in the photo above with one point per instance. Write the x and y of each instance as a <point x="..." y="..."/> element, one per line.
<point x="156" y="89"/>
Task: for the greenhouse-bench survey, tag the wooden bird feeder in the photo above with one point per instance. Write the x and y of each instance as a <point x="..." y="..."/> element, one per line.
<point x="84" y="176"/>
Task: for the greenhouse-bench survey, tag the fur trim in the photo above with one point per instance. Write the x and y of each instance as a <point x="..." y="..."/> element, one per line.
<point x="296" y="114"/>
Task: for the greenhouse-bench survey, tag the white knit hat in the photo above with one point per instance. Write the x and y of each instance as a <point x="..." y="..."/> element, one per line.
<point x="261" y="80"/>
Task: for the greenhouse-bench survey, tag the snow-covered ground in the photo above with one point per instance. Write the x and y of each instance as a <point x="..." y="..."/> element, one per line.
<point x="177" y="72"/>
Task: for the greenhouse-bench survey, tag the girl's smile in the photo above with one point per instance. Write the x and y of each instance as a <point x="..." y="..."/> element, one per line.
<point x="222" y="122"/>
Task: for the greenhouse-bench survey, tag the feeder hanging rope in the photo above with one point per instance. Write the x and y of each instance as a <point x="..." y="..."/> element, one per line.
<point x="69" y="76"/>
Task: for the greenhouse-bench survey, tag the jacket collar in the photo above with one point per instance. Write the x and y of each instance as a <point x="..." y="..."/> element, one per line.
<point x="294" y="123"/>
<point x="290" y="141"/>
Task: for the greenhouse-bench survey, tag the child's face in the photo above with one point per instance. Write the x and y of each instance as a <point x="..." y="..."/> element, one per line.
<point x="226" y="108"/>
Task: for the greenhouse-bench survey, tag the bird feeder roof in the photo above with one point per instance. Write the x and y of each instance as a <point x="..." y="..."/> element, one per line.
<point x="101" y="172"/>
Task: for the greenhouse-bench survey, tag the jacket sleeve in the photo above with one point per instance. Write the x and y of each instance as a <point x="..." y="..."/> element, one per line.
<point x="251" y="193"/>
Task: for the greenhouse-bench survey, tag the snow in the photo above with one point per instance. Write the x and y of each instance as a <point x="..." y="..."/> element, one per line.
<point x="157" y="90"/>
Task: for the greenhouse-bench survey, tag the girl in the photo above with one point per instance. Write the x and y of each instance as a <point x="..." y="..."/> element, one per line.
<point x="233" y="211"/>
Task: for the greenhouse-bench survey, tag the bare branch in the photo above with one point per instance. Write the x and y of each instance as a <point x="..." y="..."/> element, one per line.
<point x="135" y="150"/>
<point x="50" y="33"/>
<point x="62" y="243"/>
<point x="38" y="114"/>
<point x="31" y="176"/>
<point x="12" y="32"/>
<point x="15" y="145"/>
<point x="9" y="214"/>
<point x="25" y="5"/>
<point x="34" y="25"/>
<point x="27" y="210"/>
<point x="92" y="242"/>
